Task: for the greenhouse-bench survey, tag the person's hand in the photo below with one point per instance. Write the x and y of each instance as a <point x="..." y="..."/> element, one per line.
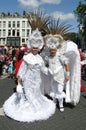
<point x="50" y="71"/>
<point x="66" y="78"/>
<point x="19" y="88"/>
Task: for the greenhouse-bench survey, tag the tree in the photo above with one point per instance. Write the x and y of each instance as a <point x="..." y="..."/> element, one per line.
<point x="80" y="13"/>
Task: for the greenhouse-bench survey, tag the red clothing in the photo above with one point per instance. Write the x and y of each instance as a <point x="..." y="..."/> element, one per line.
<point x="81" y="55"/>
<point x="83" y="88"/>
<point x="17" y="52"/>
<point x="17" y="66"/>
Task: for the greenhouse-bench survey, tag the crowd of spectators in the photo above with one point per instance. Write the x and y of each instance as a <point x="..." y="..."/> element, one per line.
<point x="9" y="58"/>
<point x="83" y="64"/>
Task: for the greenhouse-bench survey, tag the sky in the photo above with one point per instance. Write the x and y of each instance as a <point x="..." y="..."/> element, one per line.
<point x="62" y="9"/>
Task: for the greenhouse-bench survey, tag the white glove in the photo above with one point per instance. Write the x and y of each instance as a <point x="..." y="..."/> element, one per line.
<point x="19" y="88"/>
<point x="50" y="71"/>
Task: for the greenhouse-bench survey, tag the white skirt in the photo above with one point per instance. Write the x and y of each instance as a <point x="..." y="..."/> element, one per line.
<point x="28" y="111"/>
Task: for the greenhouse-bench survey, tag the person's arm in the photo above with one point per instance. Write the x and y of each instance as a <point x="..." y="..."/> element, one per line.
<point x="64" y="60"/>
<point x="19" y="86"/>
<point x="44" y="69"/>
<point x="67" y="75"/>
<point x="19" y="80"/>
<point x="22" y="70"/>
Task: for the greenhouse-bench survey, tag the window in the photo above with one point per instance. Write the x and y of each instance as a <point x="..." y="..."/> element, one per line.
<point x="3" y="41"/>
<point x="0" y="33"/>
<point x="18" y="33"/>
<point x="13" y="32"/>
<point x="4" y="32"/>
<point x="18" y="23"/>
<point x="23" y="40"/>
<point x="27" y="24"/>
<point x="0" y="24"/>
<point x="27" y="32"/>
<point x="23" y="24"/>
<point x="9" y="24"/>
<point x="4" y="24"/>
<point x="9" y="32"/>
<point x="13" y="23"/>
<point x="23" y="32"/>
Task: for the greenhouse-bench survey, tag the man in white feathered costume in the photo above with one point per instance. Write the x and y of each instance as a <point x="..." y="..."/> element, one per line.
<point x="72" y="87"/>
<point x="58" y="69"/>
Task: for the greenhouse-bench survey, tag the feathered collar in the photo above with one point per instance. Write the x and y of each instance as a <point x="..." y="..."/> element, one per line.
<point x="32" y="59"/>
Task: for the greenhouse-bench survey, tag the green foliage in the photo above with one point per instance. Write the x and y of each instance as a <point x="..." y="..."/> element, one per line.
<point x="72" y="36"/>
<point x="80" y="12"/>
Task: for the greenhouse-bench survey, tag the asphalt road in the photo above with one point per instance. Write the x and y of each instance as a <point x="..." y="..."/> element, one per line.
<point x="73" y="118"/>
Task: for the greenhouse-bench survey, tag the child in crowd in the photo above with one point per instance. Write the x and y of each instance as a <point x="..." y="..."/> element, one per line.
<point x="10" y="68"/>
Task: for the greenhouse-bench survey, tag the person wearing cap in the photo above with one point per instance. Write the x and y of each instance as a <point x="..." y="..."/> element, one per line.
<point x="28" y="104"/>
<point x="57" y="62"/>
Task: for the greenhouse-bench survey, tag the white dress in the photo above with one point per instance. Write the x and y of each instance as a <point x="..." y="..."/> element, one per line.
<point x="56" y="67"/>
<point x="36" y="106"/>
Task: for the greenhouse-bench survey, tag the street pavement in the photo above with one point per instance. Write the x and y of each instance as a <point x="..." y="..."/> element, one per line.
<point x="73" y="118"/>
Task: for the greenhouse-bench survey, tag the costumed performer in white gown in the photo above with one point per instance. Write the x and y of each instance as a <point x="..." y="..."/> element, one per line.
<point x="28" y="104"/>
<point x="72" y="87"/>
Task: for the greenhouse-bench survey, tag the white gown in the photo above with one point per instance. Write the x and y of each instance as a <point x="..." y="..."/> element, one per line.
<point x="36" y="106"/>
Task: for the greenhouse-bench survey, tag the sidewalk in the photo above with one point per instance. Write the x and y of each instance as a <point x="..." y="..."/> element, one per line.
<point x="73" y="118"/>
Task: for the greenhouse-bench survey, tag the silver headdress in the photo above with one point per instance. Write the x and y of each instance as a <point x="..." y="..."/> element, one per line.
<point x="35" y="39"/>
<point x="53" y="41"/>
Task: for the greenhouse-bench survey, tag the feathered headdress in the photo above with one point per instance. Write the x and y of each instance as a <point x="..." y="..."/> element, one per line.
<point x="53" y="41"/>
<point x="35" y="39"/>
<point x="52" y="30"/>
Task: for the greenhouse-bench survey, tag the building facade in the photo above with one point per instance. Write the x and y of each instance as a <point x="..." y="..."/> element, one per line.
<point x="14" y="29"/>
